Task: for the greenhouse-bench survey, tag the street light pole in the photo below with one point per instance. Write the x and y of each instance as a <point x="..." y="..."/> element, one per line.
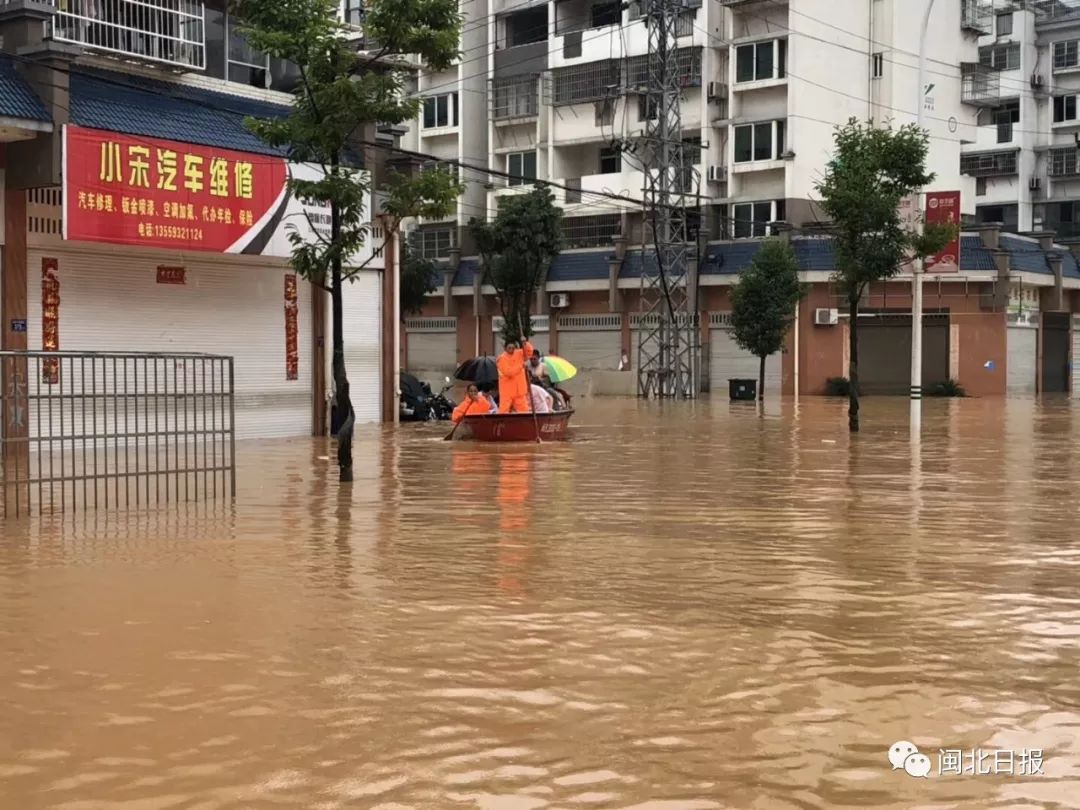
<point x="917" y="270"/>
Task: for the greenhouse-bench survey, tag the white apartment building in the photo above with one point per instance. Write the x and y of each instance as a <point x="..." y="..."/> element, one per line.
<point x="1025" y="87"/>
<point x="551" y="90"/>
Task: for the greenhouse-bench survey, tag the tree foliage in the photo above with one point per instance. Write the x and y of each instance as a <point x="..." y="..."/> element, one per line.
<point x="873" y="169"/>
<point x="419" y="277"/>
<point x="763" y="302"/>
<point x="342" y="93"/>
<point x="517" y="247"/>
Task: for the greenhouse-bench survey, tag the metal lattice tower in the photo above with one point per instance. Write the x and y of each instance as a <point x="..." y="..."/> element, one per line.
<point x="668" y="330"/>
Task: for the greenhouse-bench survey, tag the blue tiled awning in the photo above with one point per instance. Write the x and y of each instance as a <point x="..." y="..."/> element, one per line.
<point x="17" y="98"/>
<point x="136" y="105"/>
<point x="585" y="266"/>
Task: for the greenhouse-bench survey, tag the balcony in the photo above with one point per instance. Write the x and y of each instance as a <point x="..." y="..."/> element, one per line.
<point x="1049" y="11"/>
<point x="989" y="164"/>
<point x="166" y="32"/>
<point x="514" y="98"/>
<point x="979" y="85"/>
<point x="977" y="16"/>
<point x="1063" y="162"/>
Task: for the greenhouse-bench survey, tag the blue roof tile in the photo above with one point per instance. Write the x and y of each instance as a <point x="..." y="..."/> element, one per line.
<point x="466" y="272"/>
<point x="973" y="256"/>
<point x="1068" y="263"/>
<point x="139" y="106"/>
<point x="584" y="266"/>
<point x="1025" y="256"/>
<point x="17" y="99"/>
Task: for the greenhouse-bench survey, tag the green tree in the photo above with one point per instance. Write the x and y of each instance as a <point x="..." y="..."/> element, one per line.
<point x="419" y="277"/>
<point x="342" y="94"/>
<point x="763" y="303"/>
<point x="873" y="169"/>
<point x="517" y="248"/>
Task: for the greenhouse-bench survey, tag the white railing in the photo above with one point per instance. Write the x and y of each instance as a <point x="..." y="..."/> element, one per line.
<point x="171" y="32"/>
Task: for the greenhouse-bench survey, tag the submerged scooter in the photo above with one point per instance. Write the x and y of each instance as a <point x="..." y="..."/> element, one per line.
<point x="417" y="403"/>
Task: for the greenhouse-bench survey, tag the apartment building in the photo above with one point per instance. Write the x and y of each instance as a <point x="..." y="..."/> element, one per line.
<point x="765" y="83"/>
<point x="142" y="215"/>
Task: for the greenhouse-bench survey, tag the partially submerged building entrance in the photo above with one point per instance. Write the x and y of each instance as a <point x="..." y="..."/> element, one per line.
<point x="1055" y="352"/>
<point x="885" y="352"/>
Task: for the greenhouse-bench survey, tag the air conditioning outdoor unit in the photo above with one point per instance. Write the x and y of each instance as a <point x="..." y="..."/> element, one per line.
<point x="716" y="91"/>
<point x="1036" y="82"/>
<point x="717" y="174"/>
<point x="1034" y="184"/>
<point x="826" y="317"/>
<point x="560" y="300"/>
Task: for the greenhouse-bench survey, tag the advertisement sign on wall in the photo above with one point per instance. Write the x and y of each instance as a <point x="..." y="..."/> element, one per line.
<point x="133" y="190"/>
<point x="944" y="207"/>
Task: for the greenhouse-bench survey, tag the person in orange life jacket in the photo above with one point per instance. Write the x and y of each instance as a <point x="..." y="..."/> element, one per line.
<point x="513" y="380"/>
<point x="474" y="404"/>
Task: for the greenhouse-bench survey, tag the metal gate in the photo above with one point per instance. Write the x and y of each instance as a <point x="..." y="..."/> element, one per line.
<point x="101" y="430"/>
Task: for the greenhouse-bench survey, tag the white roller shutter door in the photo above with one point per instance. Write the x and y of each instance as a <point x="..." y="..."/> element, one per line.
<point x="541" y="339"/>
<point x="431" y="348"/>
<point x="111" y="301"/>
<point x="1075" y="359"/>
<point x="728" y="361"/>
<point x="1021" y="349"/>
<point x="591" y="342"/>
<point x="362" y="311"/>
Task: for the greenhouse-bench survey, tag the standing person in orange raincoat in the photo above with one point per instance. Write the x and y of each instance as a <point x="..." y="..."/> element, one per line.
<point x="513" y="381"/>
<point x="474" y="404"/>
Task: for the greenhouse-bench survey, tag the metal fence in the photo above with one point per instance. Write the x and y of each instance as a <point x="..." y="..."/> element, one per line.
<point x="102" y="430"/>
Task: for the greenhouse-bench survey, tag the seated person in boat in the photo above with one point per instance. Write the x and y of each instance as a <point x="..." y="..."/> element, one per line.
<point x="542" y="401"/>
<point x="474" y="404"/>
<point x="538" y="374"/>
<point x="513" y="381"/>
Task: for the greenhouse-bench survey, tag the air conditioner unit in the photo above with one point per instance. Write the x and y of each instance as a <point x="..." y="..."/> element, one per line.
<point x="1034" y="184"/>
<point x="717" y="174"/>
<point x="1036" y="82"/>
<point x="717" y="91"/>
<point x="559" y="300"/>
<point x="826" y="317"/>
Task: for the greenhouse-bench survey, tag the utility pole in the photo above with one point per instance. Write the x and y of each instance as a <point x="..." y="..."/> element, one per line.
<point x="668" y="334"/>
<point x="917" y="269"/>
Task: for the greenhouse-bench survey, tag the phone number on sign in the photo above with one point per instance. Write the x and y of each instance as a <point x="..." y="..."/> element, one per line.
<point x="148" y="230"/>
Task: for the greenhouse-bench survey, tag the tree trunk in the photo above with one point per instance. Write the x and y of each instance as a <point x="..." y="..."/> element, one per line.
<point x="341" y="380"/>
<point x="761" y="380"/>
<point x="853" y="366"/>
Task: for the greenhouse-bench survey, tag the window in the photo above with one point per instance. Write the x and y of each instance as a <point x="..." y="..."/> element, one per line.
<point x="1063" y="162"/>
<point x="1004" y="24"/>
<point x="1066" y="54"/>
<point x="980" y="186"/>
<point x="765" y="141"/>
<point x="514" y="97"/>
<point x="1005" y="117"/>
<point x="1064" y="109"/>
<point x="1000" y="57"/>
<point x="245" y="64"/>
<point x="435" y="243"/>
<point x="761" y="60"/>
<point x="878" y="65"/>
<point x="647" y="108"/>
<point x="522" y="165"/>
<point x="440" y="111"/>
<point x="606" y="14"/>
<point x="610" y="161"/>
<point x="525" y="27"/>
<point x="353" y="11"/>
<point x="752" y="219"/>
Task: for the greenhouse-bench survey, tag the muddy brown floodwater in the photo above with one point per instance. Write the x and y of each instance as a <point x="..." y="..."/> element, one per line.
<point x="685" y="607"/>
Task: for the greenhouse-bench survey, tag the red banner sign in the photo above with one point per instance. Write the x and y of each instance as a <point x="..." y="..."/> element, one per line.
<point x="50" y="320"/>
<point x="171" y="275"/>
<point x="129" y="190"/>
<point x="292" y="356"/>
<point x="944" y="207"/>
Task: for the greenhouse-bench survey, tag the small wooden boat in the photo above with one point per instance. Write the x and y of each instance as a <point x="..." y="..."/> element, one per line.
<point x="518" y="427"/>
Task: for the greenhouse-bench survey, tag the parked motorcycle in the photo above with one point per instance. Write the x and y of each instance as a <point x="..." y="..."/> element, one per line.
<point x="417" y="402"/>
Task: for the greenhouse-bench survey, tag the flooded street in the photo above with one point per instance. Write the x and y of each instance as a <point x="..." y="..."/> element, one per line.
<point x="686" y="606"/>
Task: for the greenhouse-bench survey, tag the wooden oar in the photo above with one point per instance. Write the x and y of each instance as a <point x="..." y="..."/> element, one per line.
<point x="453" y="430"/>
